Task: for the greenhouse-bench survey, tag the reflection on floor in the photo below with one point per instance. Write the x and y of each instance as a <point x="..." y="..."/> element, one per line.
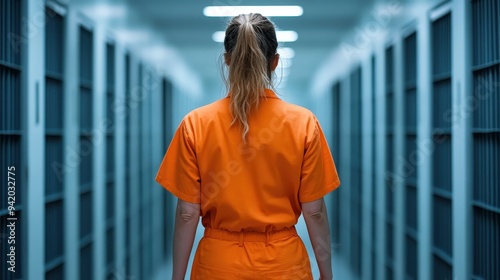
<point x="340" y="270"/>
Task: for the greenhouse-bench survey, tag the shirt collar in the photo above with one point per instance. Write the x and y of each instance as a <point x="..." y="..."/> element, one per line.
<point x="268" y="93"/>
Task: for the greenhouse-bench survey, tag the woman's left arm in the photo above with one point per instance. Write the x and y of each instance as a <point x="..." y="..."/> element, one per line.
<point x="187" y="217"/>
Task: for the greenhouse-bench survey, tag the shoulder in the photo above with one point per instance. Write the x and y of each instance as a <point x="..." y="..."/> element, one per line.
<point x="206" y="114"/>
<point x="208" y="111"/>
<point x="297" y="114"/>
<point x="298" y="110"/>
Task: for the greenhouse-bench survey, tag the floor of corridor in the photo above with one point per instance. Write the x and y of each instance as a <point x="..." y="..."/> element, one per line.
<point x="340" y="270"/>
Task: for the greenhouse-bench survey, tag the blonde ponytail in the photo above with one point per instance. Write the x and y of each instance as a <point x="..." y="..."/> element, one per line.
<point x="250" y="47"/>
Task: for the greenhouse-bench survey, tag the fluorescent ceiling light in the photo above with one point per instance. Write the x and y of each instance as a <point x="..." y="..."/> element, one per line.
<point x="271" y="11"/>
<point x="219" y="36"/>
<point x="287" y="36"/>
<point x="282" y="36"/>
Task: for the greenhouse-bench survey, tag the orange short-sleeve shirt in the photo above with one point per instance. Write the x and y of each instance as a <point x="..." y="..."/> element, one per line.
<point x="257" y="186"/>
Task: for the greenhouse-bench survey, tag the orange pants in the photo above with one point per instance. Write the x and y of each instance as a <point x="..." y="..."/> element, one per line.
<point x="224" y="255"/>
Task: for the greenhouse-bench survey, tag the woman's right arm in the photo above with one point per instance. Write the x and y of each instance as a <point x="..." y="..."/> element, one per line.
<point x="316" y="218"/>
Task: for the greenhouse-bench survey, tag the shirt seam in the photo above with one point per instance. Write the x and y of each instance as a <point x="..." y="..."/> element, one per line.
<point x="175" y="191"/>
<point x="311" y="197"/>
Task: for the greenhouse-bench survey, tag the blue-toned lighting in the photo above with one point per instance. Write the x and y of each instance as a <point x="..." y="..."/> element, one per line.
<point x="282" y="36"/>
<point x="271" y="11"/>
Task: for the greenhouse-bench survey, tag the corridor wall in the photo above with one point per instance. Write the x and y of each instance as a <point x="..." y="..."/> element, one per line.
<point x="415" y="129"/>
<point x="85" y="122"/>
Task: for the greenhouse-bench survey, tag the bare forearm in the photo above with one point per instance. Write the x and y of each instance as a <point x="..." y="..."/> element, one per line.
<point x="319" y="233"/>
<point x="184" y="233"/>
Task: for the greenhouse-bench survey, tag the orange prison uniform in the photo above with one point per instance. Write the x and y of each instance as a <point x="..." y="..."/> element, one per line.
<point x="250" y="194"/>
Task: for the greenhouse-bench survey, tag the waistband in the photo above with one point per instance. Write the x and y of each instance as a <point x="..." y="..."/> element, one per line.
<point x="250" y="236"/>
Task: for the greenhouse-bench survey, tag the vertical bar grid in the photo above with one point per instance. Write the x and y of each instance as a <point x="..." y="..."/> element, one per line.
<point x="10" y="128"/>
<point x="373" y="171"/>
<point x="356" y="172"/>
<point x="486" y="138"/>
<point x="149" y="82"/>
<point x="54" y="161"/>
<point x="86" y="152"/>
<point x="442" y="261"/>
<point x="128" y="169"/>
<point x="110" y="160"/>
<point x="389" y="163"/>
<point x="167" y="136"/>
<point x="140" y="249"/>
<point x="336" y="154"/>
<point x="410" y="168"/>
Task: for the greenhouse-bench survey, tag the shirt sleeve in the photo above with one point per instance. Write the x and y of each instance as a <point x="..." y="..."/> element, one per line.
<point x="319" y="175"/>
<point x="178" y="172"/>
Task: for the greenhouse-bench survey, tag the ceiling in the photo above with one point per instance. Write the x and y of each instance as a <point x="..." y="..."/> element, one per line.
<point x="182" y="26"/>
<point x="321" y="28"/>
